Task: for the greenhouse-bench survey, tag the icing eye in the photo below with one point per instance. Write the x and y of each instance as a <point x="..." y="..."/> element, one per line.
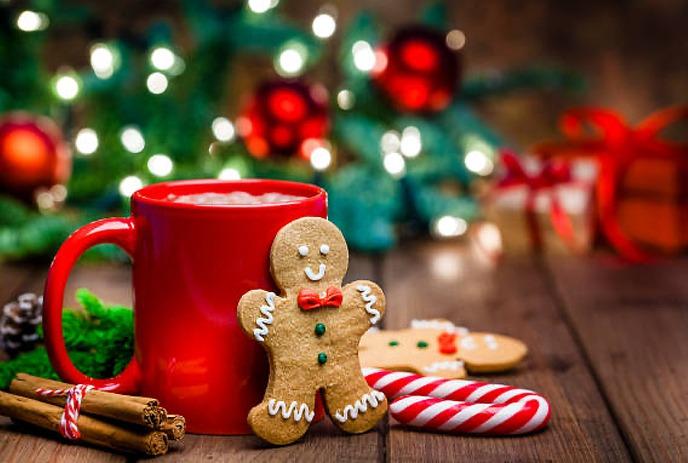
<point x="324" y="249"/>
<point x="303" y="250"/>
<point x="422" y="344"/>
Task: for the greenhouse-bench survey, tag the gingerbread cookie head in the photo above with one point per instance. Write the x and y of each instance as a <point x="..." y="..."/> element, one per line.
<point x="311" y="332"/>
<point x="439" y="348"/>
<point x="309" y="252"/>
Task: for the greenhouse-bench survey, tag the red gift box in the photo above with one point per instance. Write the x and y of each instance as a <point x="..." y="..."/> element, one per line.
<point x="537" y="206"/>
<point x="642" y="186"/>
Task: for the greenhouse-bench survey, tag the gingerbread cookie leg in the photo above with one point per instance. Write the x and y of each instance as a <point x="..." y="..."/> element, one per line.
<point x="354" y="406"/>
<point x="286" y="411"/>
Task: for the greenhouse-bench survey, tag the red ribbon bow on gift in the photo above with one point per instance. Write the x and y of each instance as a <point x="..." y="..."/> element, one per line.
<point x="551" y="174"/>
<point x="616" y="145"/>
<point x="310" y="300"/>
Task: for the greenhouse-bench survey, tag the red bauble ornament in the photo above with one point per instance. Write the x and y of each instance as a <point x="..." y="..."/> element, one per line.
<point x="417" y="70"/>
<point x="281" y="116"/>
<point x="33" y="154"/>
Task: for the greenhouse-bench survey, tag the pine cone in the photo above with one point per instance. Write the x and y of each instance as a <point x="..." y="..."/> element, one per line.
<point x="18" y="323"/>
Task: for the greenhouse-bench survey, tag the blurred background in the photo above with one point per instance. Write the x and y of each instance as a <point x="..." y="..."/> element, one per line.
<point x="630" y="52"/>
<point x="401" y="110"/>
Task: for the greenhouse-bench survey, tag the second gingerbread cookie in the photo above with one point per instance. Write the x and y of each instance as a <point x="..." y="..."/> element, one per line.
<point x="311" y="331"/>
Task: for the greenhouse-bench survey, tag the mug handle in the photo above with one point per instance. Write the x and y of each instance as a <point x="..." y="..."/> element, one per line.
<point x="119" y="231"/>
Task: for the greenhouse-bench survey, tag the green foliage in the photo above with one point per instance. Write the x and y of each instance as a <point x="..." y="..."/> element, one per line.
<point x="435" y="15"/>
<point x="26" y="234"/>
<point x="370" y="206"/>
<point x="365" y="203"/>
<point x="481" y="86"/>
<point x="99" y="340"/>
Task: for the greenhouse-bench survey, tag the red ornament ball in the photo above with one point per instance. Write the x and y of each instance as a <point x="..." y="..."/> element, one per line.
<point x="281" y="116"/>
<point x="33" y="154"/>
<point x="417" y="71"/>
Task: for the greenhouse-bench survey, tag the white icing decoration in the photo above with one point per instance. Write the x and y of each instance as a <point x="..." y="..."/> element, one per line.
<point x="441" y="325"/>
<point x="303" y="250"/>
<point x="453" y="365"/>
<point x="369" y="299"/>
<point x="324" y="249"/>
<point x="297" y="410"/>
<point x="491" y="342"/>
<point x="468" y="343"/>
<point x="263" y="322"/>
<point x="372" y="399"/>
<point x="316" y="276"/>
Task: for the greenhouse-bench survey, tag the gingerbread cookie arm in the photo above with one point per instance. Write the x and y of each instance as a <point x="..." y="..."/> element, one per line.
<point x="367" y="298"/>
<point x="256" y="313"/>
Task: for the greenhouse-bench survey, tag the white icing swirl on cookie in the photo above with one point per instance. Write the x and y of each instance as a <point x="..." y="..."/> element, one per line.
<point x="298" y="411"/>
<point x="468" y="343"/>
<point x="369" y="299"/>
<point x="263" y="322"/>
<point x="442" y="325"/>
<point x="453" y="365"/>
<point x="491" y="342"/>
<point x="351" y="411"/>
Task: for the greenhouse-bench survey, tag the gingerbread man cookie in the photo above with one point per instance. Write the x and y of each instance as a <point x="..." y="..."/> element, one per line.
<point x="438" y="348"/>
<point x="311" y="332"/>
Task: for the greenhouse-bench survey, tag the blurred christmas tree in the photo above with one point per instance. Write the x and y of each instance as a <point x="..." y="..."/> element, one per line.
<point x="394" y="142"/>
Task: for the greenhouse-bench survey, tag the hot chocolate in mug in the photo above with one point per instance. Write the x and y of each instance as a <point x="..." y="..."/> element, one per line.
<point x="192" y="261"/>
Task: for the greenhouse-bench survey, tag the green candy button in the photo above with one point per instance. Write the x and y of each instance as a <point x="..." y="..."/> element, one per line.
<point x="319" y="329"/>
<point x="322" y="358"/>
<point x="393" y="343"/>
<point x="422" y="344"/>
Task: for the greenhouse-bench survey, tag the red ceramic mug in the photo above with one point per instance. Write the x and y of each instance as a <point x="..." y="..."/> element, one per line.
<point x="191" y="264"/>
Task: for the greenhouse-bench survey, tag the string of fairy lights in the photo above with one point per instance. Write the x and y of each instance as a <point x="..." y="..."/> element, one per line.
<point x="396" y="147"/>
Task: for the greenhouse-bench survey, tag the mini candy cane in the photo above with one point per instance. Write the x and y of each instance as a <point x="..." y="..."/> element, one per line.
<point x="70" y="415"/>
<point x="460" y="406"/>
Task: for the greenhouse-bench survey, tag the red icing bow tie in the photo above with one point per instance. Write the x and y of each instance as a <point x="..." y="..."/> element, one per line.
<point x="309" y="299"/>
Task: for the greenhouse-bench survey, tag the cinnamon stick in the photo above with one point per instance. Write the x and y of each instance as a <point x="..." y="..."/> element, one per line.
<point x="130" y="409"/>
<point x="93" y="430"/>
<point x="174" y="427"/>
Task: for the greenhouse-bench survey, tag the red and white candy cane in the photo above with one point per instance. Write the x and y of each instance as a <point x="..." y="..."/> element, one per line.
<point x="460" y="406"/>
<point x="70" y="415"/>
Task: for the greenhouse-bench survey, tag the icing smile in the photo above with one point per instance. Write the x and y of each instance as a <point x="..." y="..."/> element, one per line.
<point x="315" y="276"/>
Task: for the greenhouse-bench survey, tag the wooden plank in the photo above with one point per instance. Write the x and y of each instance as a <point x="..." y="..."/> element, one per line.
<point x="323" y="441"/>
<point x="427" y="280"/>
<point x="112" y="284"/>
<point x="633" y="325"/>
<point x="22" y="443"/>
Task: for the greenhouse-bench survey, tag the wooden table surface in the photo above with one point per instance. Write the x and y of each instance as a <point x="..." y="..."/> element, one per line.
<point x="608" y="347"/>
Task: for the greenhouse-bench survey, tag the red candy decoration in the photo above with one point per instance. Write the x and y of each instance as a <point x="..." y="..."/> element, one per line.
<point x="33" y="154"/>
<point x="281" y="116"/>
<point x="417" y="71"/>
<point x="447" y="342"/>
